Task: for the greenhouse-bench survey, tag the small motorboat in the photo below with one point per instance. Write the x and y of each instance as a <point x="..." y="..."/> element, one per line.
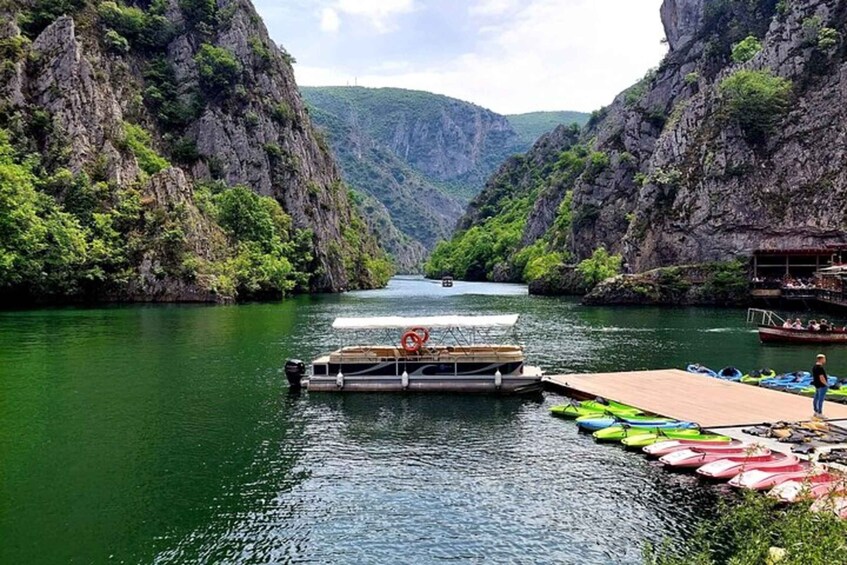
<point x="594" y="423"/>
<point x="730" y="374"/>
<point x="699" y="369"/>
<point x="760" y="479"/>
<point x="730" y="467"/>
<point x="619" y="433"/>
<point x="704" y="441"/>
<point x="809" y="488"/>
<point x="574" y="410"/>
<point x="695" y="457"/>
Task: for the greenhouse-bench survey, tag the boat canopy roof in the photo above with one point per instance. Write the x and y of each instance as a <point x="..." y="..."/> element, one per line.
<point x="399" y="322"/>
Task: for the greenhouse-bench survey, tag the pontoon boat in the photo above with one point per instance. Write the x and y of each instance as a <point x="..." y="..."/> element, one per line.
<point x="434" y="354"/>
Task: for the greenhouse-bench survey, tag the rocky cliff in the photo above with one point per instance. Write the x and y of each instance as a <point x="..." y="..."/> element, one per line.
<point x="422" y="156"/>
<point x="137" y="124"/>
<point x="734" y="142"/>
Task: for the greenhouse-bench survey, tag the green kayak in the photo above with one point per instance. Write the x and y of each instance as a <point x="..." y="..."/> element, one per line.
<point x="619" y="433"/>
<point x="641" y="440"/>
<point x="593" y="408"/>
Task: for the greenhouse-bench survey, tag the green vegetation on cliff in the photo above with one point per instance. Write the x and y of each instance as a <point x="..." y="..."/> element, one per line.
<point x="532" y="125"/>
<point x="141" y="172"/>
<point x="492" y="247"/>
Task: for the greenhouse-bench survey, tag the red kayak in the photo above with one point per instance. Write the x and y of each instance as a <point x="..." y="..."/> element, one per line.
<point x="759" y="479"/>
<point x="731" y="466"/>
<point x="665" y="447"/>
<point x="810" y="488"/>
<point x="699" y="456"/>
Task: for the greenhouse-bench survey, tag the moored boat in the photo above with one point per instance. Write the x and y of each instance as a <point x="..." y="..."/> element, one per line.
<point x="761" y="479"/>
<point x="637" y="441"/>
<point x="808" y="488"/>
<point x="619" y="433"/>
<point x="732" y="466"/>
<point x="659" y="449"/>
<point x="454" y="360"/>
<point x="574" y="410"/>
<point x="594" y="423"/>
<point x="695" y="457"/>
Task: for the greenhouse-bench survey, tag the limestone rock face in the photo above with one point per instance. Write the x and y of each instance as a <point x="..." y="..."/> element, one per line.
<point x="674" y="177"/>
<point x="681" y="19"/>
<point x="255" y="131"/>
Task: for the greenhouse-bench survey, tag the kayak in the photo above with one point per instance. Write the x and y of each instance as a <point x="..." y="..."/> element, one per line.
<point x="754" y="377"/>
<point x="809" y="488"/>
<point x="620" y="433"/>
<point x="728" y="468"/>
<point x="701" y="370"/>
<point x="705" y="441"/>
<point x="643" y="440"/>
<point x="698" y="456"/>
<point x="574" y="410"/>
<point x="594" y="423"/>
<point x="730" y="374"/>
<point x="759" y="479"/>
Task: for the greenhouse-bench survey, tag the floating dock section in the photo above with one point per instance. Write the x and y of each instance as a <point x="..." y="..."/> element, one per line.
<point x="711" y="402"/>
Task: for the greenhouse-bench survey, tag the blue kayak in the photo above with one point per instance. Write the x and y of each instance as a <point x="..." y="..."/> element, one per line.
<point x="594" y="423"/>
<point x="701" y="370"/>
<point x="730" y="374"/>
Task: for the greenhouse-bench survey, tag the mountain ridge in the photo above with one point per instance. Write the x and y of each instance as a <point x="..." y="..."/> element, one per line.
<point x="422" y="156"/>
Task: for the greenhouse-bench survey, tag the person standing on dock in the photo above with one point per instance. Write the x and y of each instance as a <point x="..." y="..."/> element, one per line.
<point x="820" y="380"/>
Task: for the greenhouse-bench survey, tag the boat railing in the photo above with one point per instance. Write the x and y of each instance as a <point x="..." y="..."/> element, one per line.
<point x="762" y="317"/>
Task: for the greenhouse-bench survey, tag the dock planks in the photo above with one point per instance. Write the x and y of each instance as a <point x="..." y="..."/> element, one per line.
<point x="695" y="398"/>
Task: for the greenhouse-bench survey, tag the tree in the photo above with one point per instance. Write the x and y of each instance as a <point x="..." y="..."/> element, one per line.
<point x="599" y="267"/>
<point x="756" y="100"/>
<point x="746" y="49"/>
<point x="217" y="67"/>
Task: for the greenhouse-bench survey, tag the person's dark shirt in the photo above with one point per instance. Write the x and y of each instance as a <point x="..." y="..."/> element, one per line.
<point x="819" y="378"/>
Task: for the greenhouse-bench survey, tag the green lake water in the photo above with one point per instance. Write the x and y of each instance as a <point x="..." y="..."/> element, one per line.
<point x="166" y="434"/>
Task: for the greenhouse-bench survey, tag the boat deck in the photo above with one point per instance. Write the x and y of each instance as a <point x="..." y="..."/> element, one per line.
<point x="710" y="402"/>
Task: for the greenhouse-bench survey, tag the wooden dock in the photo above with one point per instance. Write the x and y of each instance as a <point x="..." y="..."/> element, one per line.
<point x="707" y="401"/>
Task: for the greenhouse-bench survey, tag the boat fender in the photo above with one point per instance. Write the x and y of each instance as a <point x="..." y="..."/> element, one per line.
<point x="498" y="379"/>
<point x="339" y="380"/>
<point x="404" y="380"/>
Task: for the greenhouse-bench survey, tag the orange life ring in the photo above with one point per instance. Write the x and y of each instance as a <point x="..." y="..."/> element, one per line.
<point x="411" y="341"/>
<point x="423" y="332"/>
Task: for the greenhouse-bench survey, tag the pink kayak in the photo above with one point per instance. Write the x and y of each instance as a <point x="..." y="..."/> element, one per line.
<point x="665" y="447"/>
<point x="759" y="479"/>
<point x="698" y="456"/>
<point x="811" y="488"/>
<point x="836" y="504"/>
<point x="728" y="468"/>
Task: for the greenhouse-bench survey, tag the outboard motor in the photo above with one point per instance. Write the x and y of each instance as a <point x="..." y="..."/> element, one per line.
<point x="295" y="370"/>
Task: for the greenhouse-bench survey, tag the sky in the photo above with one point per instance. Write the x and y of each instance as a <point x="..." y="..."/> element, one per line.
<point x="511" y="56"/>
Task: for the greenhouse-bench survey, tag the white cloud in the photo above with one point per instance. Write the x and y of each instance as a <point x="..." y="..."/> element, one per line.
<point x="330" y="22"/>
<point x="491" y="7"/>
<point x="548" y="55"/>
<point x="380" y="13"/>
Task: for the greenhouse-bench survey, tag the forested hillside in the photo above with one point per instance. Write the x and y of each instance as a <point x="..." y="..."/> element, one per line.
<point x="420" y="156"/>
<point x="734" y="142"/>
<point x="533" y="125"/>
<point x="159" y="150"/>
